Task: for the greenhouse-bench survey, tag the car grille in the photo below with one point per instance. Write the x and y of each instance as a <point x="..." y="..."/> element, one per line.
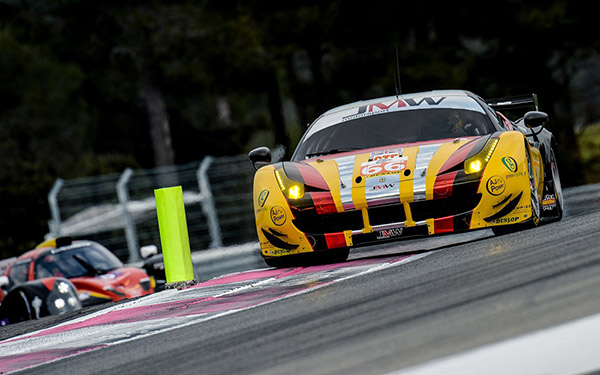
<point x="393" y="213"/>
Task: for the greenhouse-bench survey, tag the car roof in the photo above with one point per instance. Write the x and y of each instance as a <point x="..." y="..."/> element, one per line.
<point x="413" y="96"/>
<point x="459" y="99"/>
<point x="35" y="253"/>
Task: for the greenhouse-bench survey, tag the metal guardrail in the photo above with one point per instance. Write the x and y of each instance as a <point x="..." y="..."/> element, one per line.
<point x="119" y="210"/>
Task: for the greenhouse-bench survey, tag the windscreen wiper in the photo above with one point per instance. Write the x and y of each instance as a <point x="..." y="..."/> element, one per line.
<point x="332" y="151"/>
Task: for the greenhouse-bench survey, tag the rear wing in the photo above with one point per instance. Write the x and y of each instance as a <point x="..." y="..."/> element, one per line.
<point x="514" y="102"/>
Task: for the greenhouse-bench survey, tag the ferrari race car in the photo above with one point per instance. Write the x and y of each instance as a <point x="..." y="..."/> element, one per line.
<point x="63" y="275"/>
<point x="411" y="165"/>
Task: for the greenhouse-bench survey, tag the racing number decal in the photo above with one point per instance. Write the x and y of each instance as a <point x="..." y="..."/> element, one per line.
<point x="377" y="168"/>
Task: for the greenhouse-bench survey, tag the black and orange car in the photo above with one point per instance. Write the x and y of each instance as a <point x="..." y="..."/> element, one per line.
<point x="44" y="281"/>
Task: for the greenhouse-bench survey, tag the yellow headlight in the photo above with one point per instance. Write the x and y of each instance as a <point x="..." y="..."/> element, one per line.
<point x="294" y="192"/>
<point x="477" y="162"/>
<point x="291" y="189"/>
<point x="474" y="166"/>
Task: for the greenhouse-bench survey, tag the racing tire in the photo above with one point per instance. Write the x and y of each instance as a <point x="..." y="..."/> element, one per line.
<point x="534" y="221"/>
<point x="309" y="259"/>
<point x="556" y="186"/>
<point x="16" y="308"/>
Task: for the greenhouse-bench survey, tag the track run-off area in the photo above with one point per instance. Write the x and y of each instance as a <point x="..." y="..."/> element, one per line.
<point x="527" y="303"/>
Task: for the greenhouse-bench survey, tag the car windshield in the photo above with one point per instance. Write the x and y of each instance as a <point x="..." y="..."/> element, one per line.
<point x="76" y="261"/>
<point x="18" y="272"/>
<point x="391" y="128"/>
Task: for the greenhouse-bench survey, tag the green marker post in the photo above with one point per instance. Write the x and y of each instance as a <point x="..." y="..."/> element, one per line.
<point x="172" y="226"/>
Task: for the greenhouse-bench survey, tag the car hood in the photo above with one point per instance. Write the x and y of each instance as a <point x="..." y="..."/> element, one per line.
<point x="385" y="173"/>
<point x="117" y="284"/>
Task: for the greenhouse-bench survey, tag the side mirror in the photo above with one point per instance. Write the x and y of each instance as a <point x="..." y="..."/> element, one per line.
<point x="534" y="119"/>
<point x="148" y="251"/>
<point x="3" y="282"/>
<point x="261" y="155"/>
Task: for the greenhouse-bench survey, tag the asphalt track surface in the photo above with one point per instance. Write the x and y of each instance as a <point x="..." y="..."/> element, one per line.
<point x="388" y="310"/>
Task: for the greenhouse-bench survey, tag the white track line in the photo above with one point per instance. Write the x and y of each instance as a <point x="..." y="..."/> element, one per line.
<point x="567" y="349"/>
<point x="24" y="340"/>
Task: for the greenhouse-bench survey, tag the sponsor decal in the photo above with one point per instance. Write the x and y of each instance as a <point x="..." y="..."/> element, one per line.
<point x="506" y="220"/>
<point x="280" y="252"/>
<point x="390" y="166"/>
<point x="527" y="206"/>
<point x="495" y="185"/>
<point x="383" y="107"/>
<point x="389" y="233"/>
<point x="549" y="202"/>
<point x="386" y="154"/>
<point x="510" y="163"/>
<point x="382" y="187"/>
<point x="262" y="197"/>
<point x="278" y="215"/>
<point x="513" y="175"/>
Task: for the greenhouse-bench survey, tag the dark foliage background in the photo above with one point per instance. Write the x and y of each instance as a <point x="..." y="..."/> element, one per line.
<point x="91" y="87"/>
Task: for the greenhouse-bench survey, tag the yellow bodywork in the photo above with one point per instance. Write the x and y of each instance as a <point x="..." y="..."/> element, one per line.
<point x="505" y="177"/>
<point x="272" y="211"/>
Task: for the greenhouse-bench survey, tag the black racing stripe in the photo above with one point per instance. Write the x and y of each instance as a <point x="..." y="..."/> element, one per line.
<point x="304" y="204"/>
<point x="503" y="201"/>
<point x="291" y="170"/>
<point x="275" y="241"/>
<point x="463" y="186"/>
<point x="506" y="210"/>
<point x="462" y="222"/>
<point x="478" y="146"/>
<point x="277" y="233"/>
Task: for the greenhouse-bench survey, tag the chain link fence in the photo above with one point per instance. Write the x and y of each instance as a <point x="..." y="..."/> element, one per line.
<point x="119" y="210"/>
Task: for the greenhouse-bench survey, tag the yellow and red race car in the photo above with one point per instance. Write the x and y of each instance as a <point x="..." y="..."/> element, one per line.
<point x="402" y="166"/>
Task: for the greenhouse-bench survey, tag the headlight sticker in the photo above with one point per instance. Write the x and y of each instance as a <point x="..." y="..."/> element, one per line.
<point x="510" y="163"/>
<point x="495" y="185"/>
<point x="262" y="197"/>
<point x="278" y="216"/>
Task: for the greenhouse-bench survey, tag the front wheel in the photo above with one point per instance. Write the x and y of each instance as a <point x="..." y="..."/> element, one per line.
<point x="535" y="199"/>
<point x="555" y="189"/>
<point x="16" y="308"/>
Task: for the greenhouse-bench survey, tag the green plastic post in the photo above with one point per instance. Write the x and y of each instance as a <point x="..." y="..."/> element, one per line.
<point x="172" y="226"/>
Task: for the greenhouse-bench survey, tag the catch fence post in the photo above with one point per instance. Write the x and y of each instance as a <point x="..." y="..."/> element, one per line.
<point x="129" y="224"/>
<point x="208" y="204"/>
<point x="55" y="224"/>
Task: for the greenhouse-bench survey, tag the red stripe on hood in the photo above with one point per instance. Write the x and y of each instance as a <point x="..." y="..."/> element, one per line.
<point x="442" y="188"/>
<point x="458" y="156"/>
<point x="311" y="176"/>
<point x="386" y="147"/>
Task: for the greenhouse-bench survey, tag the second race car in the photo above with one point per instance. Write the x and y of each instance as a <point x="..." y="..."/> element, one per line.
<point x="63" y="275"/>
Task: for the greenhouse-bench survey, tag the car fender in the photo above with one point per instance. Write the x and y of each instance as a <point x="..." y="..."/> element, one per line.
<point x="504" y="184"/>
<point x="276" y="233"/>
